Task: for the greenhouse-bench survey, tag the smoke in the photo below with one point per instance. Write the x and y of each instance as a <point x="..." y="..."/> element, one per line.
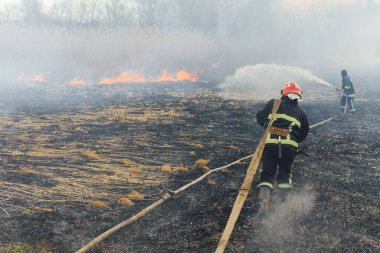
<point x="276" y="232"/>
<point x="214" y="39"/>
<point x="61" y="54"/>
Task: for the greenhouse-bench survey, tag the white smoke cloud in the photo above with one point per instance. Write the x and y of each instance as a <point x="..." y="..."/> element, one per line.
<point x="245" y="33"/>
<point x="277" y="229"/>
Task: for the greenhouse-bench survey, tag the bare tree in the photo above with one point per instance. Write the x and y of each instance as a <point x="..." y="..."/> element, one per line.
<point x="198" y="14"/>
<point x="147" y="13"/>
<point x="90" y="12"/>
<point x="10" y="11"/>
<point x="63" y="12"/>
<point x="31" y="11"/>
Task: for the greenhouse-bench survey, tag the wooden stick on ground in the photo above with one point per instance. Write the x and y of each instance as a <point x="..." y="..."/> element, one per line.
<point x="246" y="186"/>
<point x="166" y="196"/>
<point x="320" y="123"/>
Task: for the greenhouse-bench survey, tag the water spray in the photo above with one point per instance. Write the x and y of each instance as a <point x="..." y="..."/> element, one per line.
<point x="266" y="77"/>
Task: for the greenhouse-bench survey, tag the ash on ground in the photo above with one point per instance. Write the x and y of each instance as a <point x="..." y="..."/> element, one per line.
<point x="69" y="157"/>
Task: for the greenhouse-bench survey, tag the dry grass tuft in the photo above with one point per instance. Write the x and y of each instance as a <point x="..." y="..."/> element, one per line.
<point x="98" y="203"/>
<point x="169" y="169"/>
<point x="24" y="248"/>
<point x="135" y="170"/>
<point x="135" y="195"/>
<point x="78" y="129"/>
<point x="90" y="154"/>
<point x="231" y="147"/>
<point x="41" y="209"/>
<point x="172" y="113"/>
<point x="211" y="182"/>
<point x="23" y="138"/>
<point x="126" y="161"/>
<point x="125" y="202"/>
<point x="26" y="170"/>
<point x="166" y="169"/>
<point x="180" y="168"/>
<point x="205" y="169"/>
<point x="200" y="163"/>
<point x="17" y="153"/>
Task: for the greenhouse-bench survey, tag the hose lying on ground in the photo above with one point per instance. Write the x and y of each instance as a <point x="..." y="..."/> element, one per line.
<point x="165" y="196"/>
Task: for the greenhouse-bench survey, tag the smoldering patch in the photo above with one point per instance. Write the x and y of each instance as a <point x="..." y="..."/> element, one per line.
<point x="280" y="223"/>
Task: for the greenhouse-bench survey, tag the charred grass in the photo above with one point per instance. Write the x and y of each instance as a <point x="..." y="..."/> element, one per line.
<point x="74" y="167"/>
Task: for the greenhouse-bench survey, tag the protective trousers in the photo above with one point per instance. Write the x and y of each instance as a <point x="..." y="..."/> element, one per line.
<point x="271" y="162"/>
<point x="349" y="100"/>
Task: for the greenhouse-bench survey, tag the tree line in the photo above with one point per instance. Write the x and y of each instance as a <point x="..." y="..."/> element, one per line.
<point x="162" y="14"/>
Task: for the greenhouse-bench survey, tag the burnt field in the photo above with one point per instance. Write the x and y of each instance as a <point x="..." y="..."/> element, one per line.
<point x="76" y="161"/>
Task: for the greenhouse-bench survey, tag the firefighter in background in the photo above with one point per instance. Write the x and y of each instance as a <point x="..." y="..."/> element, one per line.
<point x="348" y="92"/>
<point x="289" y="128"/>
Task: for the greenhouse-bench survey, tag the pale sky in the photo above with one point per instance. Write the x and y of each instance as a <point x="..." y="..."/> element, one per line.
<point x="297" y="4"/>
<point x="322" y="5"/>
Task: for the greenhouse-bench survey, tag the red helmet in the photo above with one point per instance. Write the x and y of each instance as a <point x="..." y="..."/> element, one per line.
<point x="291" y="87"/>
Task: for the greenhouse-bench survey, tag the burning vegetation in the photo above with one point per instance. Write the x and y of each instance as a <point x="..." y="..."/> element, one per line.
<point x="107" y="106"/>
<point x="37" y="78"/>
<point x="125" y="77"/>
<point x="137" y="77"/>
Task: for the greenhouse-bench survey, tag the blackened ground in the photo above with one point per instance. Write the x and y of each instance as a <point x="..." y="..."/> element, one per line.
<point x="334" y="207"/>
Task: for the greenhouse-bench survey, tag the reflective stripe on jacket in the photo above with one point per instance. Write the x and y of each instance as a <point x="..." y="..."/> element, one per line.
<point x="289" y="116"/>
<point x="347" y="86"/>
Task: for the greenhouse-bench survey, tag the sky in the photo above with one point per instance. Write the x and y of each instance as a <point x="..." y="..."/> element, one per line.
<point x="297" y="5"/>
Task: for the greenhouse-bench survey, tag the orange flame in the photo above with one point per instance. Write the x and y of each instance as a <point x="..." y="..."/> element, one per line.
<point x="76" y="82"/>
<point x="137" y="77"/>
<point x="38" y="78"/>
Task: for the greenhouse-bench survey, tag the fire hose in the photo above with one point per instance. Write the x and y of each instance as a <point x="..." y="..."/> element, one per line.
<point x="168" y="194"/>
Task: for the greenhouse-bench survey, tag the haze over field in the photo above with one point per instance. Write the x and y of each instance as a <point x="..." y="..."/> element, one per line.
<point x="95" y="39"/>
<point x="109" y="109"/>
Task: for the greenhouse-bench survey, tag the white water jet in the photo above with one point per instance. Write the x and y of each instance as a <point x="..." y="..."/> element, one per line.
<point x="266" y="78"/>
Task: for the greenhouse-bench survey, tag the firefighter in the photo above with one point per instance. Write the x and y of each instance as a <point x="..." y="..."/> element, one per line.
<point x="289" y="128"/>
<point x="348" y="93"/>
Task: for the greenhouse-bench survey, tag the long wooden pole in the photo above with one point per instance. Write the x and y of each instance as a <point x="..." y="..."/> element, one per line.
<point x="246" y="186"/>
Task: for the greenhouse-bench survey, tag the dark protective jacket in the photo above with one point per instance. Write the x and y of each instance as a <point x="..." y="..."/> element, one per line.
<point x="347" y="86"/>
<point x="288" y="116"/>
